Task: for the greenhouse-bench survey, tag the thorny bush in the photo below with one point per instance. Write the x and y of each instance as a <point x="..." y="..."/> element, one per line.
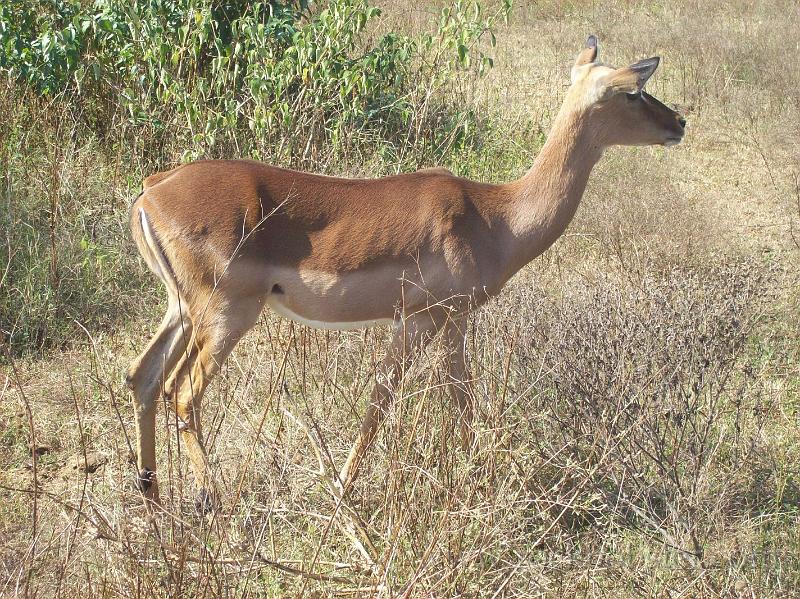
<point x="641" y="389"/>
<point x="293" y="76"/>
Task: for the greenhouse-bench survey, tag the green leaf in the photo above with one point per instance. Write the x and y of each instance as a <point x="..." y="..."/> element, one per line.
<point x="463" y="54"/>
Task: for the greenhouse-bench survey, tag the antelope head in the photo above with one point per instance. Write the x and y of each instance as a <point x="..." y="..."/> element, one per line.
<point x="618" y="110"/>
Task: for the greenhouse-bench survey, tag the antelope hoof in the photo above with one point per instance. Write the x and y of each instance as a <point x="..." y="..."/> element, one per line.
<point x="204" y="502"/>
<point x="145" y="479"/>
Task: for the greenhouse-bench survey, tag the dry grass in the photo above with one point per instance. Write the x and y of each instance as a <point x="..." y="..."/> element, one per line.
<point x="638" y="385"/>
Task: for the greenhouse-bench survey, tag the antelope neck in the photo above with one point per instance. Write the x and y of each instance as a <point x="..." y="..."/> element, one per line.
<point x="545" y="199"/>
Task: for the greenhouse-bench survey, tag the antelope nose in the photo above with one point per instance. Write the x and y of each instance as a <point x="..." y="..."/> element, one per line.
<point x="682" y="121"/>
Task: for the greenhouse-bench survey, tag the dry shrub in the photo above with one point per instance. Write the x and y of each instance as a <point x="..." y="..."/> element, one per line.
<point x="646" y="414"/>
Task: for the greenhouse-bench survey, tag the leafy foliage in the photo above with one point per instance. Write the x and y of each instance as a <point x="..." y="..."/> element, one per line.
<point x="204" y="69"/>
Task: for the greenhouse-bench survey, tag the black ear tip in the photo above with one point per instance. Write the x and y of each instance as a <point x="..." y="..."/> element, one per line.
<point x="652" y="62"/>
<point x="591" y="42"/>
<point x="648" y="64"/>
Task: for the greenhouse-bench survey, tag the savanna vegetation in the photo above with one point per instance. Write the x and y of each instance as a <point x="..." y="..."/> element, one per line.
<point x="638" y="385"/>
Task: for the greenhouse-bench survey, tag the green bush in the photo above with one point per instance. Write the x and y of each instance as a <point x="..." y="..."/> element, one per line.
<point x="207" y="70"/>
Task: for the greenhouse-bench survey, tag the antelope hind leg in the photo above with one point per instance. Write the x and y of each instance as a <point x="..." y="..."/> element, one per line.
<point x="208" y="350"/>
<point x="144" y="378"/>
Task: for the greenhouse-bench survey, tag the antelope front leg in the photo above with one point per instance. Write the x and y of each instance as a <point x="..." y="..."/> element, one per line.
<point x="410" y="336"/>
<point x="389" y="373"/>
<point x="460" y="379"/>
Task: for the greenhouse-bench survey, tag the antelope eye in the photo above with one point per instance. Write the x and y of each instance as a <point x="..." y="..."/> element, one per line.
<point x="633" y="96"/>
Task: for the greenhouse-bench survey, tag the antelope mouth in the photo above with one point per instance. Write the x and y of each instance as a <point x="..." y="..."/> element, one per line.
<point x="673" y="141"/>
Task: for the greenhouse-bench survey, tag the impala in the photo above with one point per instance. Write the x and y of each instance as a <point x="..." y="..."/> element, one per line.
<point x="415" y="251"/>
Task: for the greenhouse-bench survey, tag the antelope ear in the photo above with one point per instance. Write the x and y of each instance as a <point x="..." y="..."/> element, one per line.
<point x="629" y="79"/>
<point x="586" y="56"/>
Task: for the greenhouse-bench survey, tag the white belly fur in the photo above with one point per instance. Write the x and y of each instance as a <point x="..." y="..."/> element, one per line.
<point x="274" y="303"/>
